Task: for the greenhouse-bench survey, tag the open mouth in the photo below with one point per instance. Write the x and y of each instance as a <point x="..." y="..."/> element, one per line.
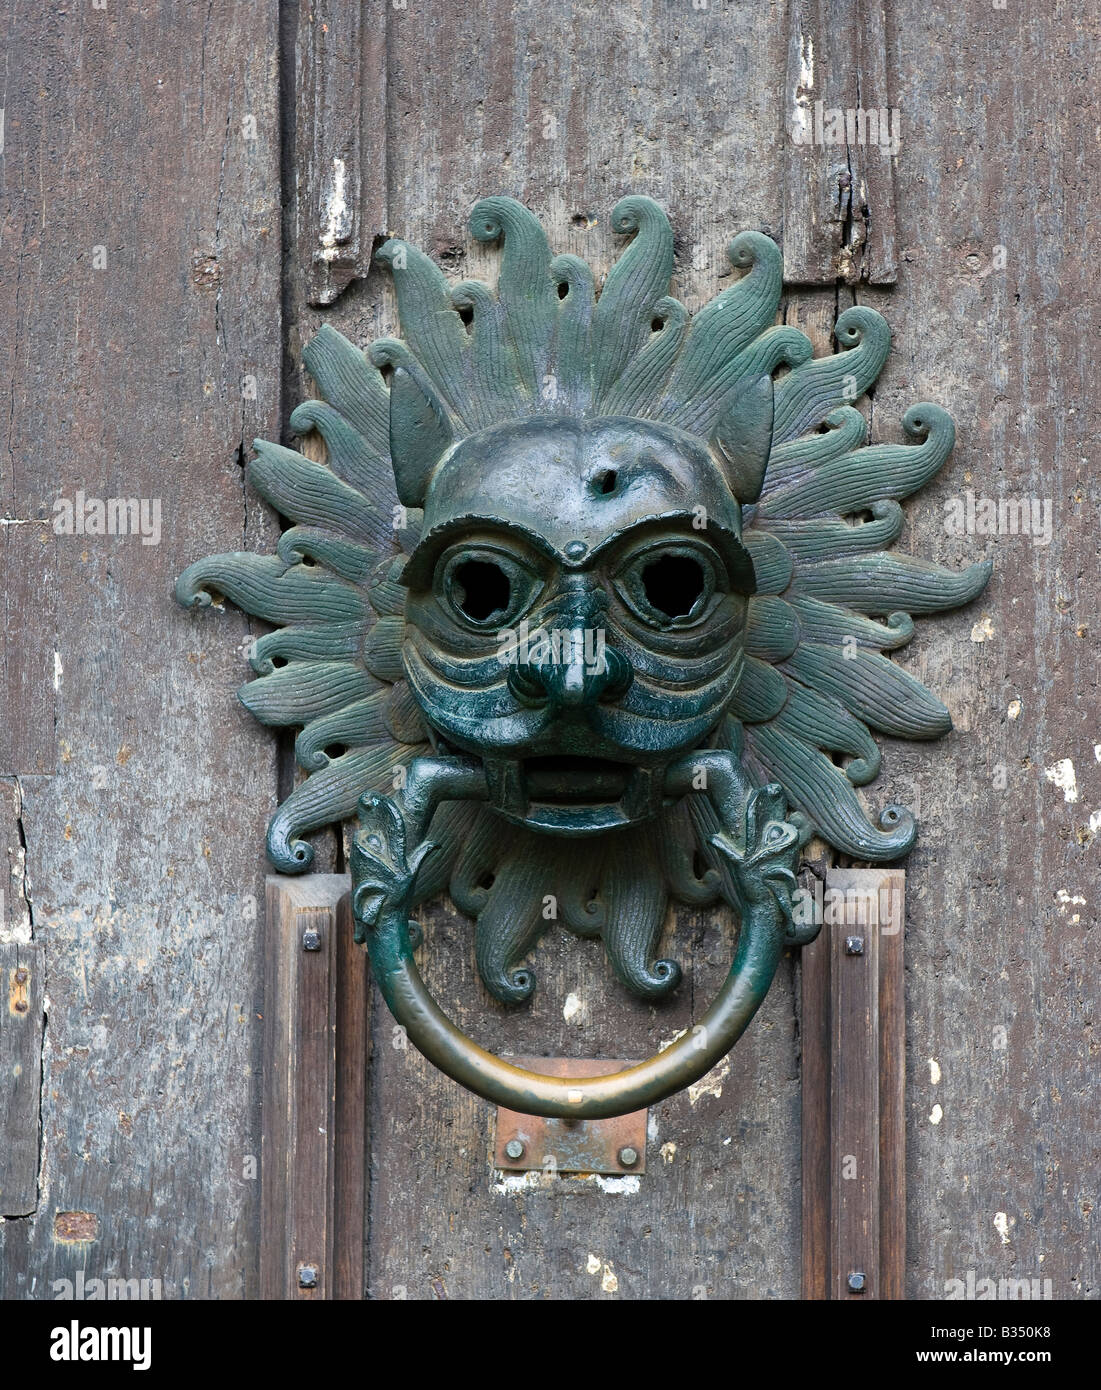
<point x="573" y="795"/>
<point x="574" y="781"/>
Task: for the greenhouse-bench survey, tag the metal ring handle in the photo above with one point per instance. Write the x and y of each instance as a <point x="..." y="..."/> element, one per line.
<point x="760" y="941"/>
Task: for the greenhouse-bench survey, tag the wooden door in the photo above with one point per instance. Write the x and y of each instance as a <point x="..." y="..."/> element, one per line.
<point x="169" y="200"/>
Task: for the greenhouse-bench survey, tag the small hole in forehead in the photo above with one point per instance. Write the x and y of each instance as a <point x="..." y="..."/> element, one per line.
<point x="604" y="481"/>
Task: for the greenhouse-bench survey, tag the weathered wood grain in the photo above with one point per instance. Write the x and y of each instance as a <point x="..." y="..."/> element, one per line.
<point x="891" y="1008"/>
<point x="139" y="263"/>
<point x="340" y="110"/>
<point x="839" y="213"/>
<point x="21" y="999"/>
<point x="1004" y="1134"/>
<point x="28" y="658"/>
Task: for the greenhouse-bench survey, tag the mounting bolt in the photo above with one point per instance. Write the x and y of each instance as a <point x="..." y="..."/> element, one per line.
<point x="307" y="1276"/>
<point x="514" y="1149"/>
<point x="628" y="1157"/>
<point x="856" y="1282"/>
<point x="21" y="976"/>
<point x="854" y="946"/>
<point x="311" y="941"/>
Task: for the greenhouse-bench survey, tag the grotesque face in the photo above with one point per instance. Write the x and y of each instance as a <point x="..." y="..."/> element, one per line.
<point x="576" y="613"/>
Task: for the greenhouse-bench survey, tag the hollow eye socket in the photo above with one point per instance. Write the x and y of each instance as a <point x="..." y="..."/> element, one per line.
<point x="668" y="586"/>
<point x="673" y="584"/>
<point x="479" y="589"/>
<point x="484" y="588"/>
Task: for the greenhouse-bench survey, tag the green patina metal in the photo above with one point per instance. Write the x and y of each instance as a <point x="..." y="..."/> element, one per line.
<point x="586" y="608"/>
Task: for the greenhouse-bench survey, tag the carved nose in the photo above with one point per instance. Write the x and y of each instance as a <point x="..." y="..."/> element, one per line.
<point x="574" y="677"/>
<point x="570" y="665"/>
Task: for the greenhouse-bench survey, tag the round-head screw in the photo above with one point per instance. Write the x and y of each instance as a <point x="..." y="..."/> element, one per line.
<point x="514" y="1149"/>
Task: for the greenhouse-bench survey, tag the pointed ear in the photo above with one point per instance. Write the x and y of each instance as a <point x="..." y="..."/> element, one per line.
<point x="420" y="435"/>
<point x="743" y="438"/>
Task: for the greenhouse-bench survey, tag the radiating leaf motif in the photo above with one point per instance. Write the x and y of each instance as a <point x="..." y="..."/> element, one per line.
<point x="708" y="366"/>
<point x="510" y="923"/>
<point x="525" y="286"/>
<point x="772" y="630"/>
<point x="824" y="793"/>
<point x="635" y="285"/>
<point x="434" y="332"/>
<point x="832" y="596"/>
<point x="638" y="895"/>
<point x="571" y="355"/>
<point x="311" y="494"/>
<point x="885" y="583"/>
<point x="811" y="392"/>
<point x="642" y="378"/>
<point x="355" y="389"/>
<point x="329" y="796"/>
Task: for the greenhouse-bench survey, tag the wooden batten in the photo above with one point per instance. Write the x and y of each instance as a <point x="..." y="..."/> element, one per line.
<point x="854" y="1072"/>
<point x="313" y="1164"/>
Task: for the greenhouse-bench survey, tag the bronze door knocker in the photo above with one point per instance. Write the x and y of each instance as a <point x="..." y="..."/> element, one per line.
<point x="589" y="603"/>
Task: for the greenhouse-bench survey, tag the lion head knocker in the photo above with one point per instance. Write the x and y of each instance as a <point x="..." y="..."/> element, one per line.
<point x="586" y="607"/>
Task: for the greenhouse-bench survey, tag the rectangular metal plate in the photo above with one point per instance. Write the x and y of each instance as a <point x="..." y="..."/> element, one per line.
<point x="570" y="1146"/>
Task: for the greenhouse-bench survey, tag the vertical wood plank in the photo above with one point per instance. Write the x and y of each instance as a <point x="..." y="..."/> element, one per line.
<point x="1002" y="914"/>
<point x="873" y="205"/>
<point x="315" y="1042"/>
<point x="814" y="196"/>
<point x="569" y="107"/>
<point x="892" y="1087"/>
<point x="815" y="1052"/>
<point x="854" y="1190"/>
<point x="29" y="675"/>
<point x="15" y="905"/>
<point x="854" y="1094"/>
<point x="340" y="104"/>
<point x="351" y="1171"/>
<point x="140" y="349"/>
<point x="22" y="997"/>
<point x="839" y="207"/>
